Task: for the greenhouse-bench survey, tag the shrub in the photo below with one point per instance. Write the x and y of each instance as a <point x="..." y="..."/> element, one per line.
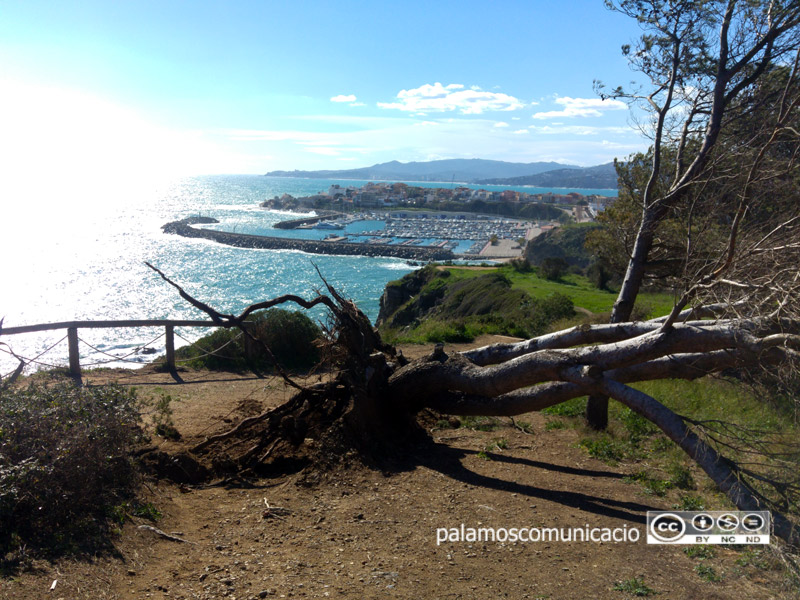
<point x="635" y="586"/>
<point x="651" y="485"/>
<point x="599" y="275"/>
<point x="553" y="268"/>
<point x="290" y="336"/>
<point x="707" y="572"/>
<point x="456" y="332"/>
<point x="636" y="425"/>
<point x="480" y="423"/>
<point x="681" y="477"/>
<point x="521" y="265"/>
<point x="701" y="551"/>
<point x="570" y="408"/>
<point x="556" y="306"/>
<point x="65" y="462"/>
<point x="689" y="502"/>
<point x="604" y="448"/>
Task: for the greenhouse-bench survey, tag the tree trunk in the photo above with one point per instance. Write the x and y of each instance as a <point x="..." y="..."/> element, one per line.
<point x="597" y="405"/>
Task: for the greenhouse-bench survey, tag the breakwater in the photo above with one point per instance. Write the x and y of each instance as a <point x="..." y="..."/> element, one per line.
<point x="322" y="215"/>
<point x="242" y="240"/>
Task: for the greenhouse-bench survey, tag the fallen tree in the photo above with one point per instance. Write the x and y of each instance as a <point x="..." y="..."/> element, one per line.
<point x="372" y="401"/>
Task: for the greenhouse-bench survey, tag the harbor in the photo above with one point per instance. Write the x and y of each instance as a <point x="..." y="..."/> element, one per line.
<point x="185" y="228"/>
<point x="466" y="235"/>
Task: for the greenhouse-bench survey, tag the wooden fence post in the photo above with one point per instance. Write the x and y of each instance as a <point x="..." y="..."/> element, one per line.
<point x="170" y="343"/>
<point x="74" y="356"/>
<point x="250" y="347"/>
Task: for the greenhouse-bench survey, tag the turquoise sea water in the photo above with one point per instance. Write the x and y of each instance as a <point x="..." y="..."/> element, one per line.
<point x="81" y="255"/>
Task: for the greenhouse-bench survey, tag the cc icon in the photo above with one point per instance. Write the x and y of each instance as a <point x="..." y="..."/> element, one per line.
<point x="667" y="527"/>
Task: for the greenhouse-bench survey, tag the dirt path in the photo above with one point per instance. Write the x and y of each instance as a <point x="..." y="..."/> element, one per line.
<point x="370" y="534"/>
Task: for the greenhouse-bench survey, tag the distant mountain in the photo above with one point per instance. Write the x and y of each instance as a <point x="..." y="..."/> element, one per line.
<point x="457" y="169"/>
<point x="601" y="176"/>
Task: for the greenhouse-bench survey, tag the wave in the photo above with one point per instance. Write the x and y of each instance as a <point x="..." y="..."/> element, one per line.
<point x="292" y="213"/>
<point x="398" y="266"/>
<point x="237" y="207"/>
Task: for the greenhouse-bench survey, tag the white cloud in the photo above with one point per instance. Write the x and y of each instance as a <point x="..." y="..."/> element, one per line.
<point x="344" y="98"/>
<point x="521" y="131"/>
<point x="561" y="129"/>
<point x="501" y="124"/>
<point x="257" y="135"/>
<point x="314" y="144"/>
<point x="581" y="107"/>
<point x="453" y="97"/>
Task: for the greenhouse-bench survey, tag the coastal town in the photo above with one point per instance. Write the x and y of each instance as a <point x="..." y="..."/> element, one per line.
<point x="402" y="195"/>
<point x="470" y="222"/>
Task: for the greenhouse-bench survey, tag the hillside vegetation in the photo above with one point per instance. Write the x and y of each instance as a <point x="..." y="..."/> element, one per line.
<point x="526" y="210"/>
<point x="567" y="242"/>
<point x="601" y="176"/>
<point x="291" y="337"/>
<point x="456" y="304"/>
<point x="451" y="305"/>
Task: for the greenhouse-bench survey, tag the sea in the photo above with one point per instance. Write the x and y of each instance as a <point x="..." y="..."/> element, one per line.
<point x="80" y="253"/>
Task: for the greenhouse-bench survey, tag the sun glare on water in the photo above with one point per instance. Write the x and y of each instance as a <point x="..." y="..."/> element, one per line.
<point x="73" y="166"/>
<point x="60" y="148"/>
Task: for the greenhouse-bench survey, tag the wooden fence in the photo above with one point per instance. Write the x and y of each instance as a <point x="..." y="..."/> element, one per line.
<point x="73" y="326"/>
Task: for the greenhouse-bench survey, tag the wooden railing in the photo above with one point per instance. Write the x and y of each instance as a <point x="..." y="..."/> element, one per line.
<point x="73" y="326"/>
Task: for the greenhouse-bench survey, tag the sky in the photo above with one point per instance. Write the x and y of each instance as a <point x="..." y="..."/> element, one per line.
<point x="169" y="87"/>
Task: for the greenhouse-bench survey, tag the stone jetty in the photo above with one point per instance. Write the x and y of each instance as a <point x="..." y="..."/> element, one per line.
<point x="322" y="215"/>
<point x="243" y="240"/>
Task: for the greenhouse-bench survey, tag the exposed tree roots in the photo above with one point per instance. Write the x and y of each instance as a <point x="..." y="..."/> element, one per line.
<point x="349" y="418"/>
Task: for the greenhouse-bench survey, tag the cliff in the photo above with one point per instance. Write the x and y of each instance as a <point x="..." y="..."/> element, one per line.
<point x="401" y="291"/>
<point x="453" y="305"/>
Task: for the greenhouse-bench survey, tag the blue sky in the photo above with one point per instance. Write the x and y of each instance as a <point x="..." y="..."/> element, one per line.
<point x="248" y="87"/>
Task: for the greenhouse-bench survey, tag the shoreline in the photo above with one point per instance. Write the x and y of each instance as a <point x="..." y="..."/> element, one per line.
<point x="243" y="240"/>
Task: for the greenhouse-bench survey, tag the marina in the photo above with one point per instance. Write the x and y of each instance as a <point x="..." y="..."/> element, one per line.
<point x="452" y="229"/>
<point x="466" y="235"/>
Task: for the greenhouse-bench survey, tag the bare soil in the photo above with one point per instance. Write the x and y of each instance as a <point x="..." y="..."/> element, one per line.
<point x="370" y="533"/>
